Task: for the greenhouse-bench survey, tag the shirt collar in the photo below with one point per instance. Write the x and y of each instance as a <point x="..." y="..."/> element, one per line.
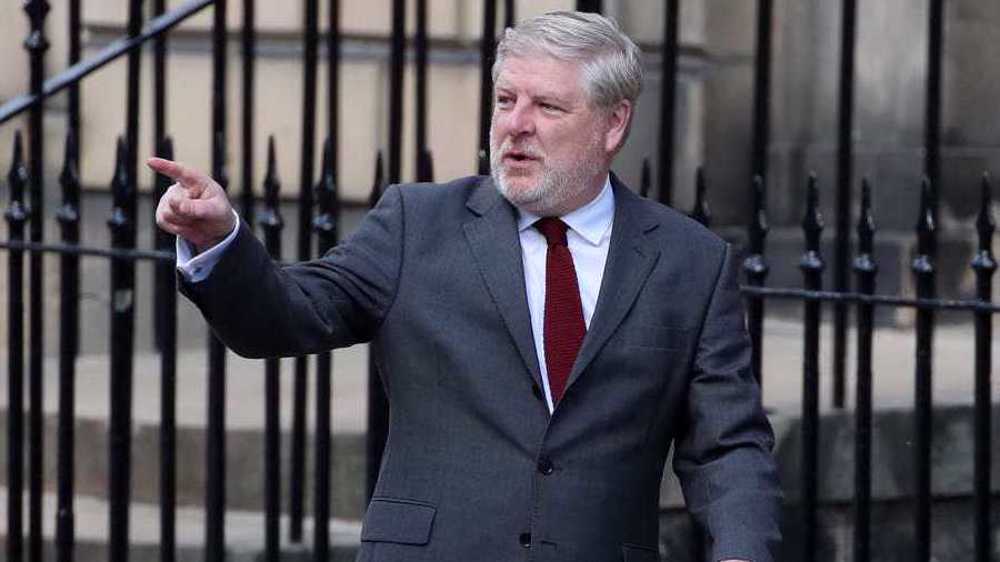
<point x="591" y="221"/>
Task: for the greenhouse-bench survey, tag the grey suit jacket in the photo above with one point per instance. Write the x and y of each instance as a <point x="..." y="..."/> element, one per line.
<point x="474" y="463"/>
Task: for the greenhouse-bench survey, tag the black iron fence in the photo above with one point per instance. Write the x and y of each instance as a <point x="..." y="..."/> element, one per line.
<point x="319" y="212"/>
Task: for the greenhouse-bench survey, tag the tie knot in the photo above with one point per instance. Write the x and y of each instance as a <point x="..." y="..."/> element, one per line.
<point x="553" y="229"/>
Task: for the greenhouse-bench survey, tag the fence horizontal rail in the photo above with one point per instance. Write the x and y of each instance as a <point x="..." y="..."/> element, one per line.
<point x="74" y="250"/>
<point x="767" y="292"/>
<point x="890" y="300"/>
<point x="74" y="74"/>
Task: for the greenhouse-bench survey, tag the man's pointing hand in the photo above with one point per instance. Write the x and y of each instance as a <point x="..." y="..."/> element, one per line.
<point x="195" y="207"/>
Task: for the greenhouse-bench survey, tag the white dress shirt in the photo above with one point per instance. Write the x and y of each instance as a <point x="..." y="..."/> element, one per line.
<point x="588" y="238"/>
<point x="195" y="267"/>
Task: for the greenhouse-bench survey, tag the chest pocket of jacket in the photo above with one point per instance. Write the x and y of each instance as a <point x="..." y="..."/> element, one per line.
<point x="398" y="521"/>
<point x="652" y="336"/>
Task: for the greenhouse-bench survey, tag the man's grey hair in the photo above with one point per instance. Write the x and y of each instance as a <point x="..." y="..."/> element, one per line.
<point x="611" y="67"/>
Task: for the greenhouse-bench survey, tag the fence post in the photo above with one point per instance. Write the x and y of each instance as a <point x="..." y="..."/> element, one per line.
<point x="215" y="441"/>
<point x="668" y="100"/>
<point x="69" y="288"/>
<point x="73" y="93"/>
<point x="645" y="178"/>
<point x="378" y="404"/>
<point x="932" y="123"/>
<point x="420" y="90"/>
<point x="122" y="228"/>
<point x="701" y="212"/>
<point x="985" y="266"/>
<point x="271" y="222"/>
<point x="306" y="171"/>
<point x="509" y="14"/>
<point x="36" y="45"/>
<point x="762" y="90"/>
<point x="17" y="216"/>
<point x="487" y="53"/>
<point x="248" y="38"/>
<point x="333" y="85"/>
<point x="812" y="272"/>
<point x="166" y="308"/>
<point x="924" y="270"/>
<point x="845" y="163"/>
<point x="755" y="268"/>
<point x="866" y="270"/>
<point x="325" y="226"/>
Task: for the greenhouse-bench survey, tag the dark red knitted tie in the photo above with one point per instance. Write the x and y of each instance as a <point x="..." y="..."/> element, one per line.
<point x="564" y="325"/>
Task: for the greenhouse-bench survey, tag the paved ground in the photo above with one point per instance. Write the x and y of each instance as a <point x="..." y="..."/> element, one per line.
<point x="242" y="528"/>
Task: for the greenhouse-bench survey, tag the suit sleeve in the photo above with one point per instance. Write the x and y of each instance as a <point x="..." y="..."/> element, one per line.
<point x="261" y="309"/>
<point x="723" y="456"/>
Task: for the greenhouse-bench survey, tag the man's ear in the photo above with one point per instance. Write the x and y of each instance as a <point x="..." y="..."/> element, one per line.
<point x="619" y="119"/>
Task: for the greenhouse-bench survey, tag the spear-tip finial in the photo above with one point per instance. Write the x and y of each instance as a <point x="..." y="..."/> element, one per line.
<point x="377" y="184"/>
<point x="645" y="178"/>
<point x="985" y="224"/>
<point x="18" y="174"/>
<point x="70" y="171"/>
<point x="701" y="211"/>
<point x="925" y="222"/>
<point x="272" y="183"/>
<point x="327" y="186"/>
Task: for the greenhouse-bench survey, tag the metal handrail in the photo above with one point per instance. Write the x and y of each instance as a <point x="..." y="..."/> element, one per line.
<point x="115" y="50"/>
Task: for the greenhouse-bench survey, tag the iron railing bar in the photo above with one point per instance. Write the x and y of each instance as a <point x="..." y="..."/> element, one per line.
<point x="326" y="227"/>
<point x="109" y="54"/>
<point x="832" y="296"/>
<point x="69" y="297"/>
<point x="866" y="271"/>
<point x="165" y="293"/>
<point x="420" y="89"/>
<point x="984" y="265"/>
<point x="215" y="441"/>
<point x="487" y="54"/>
<point x="668" y="102"/>
<point x="36" y="44"/>
<point x="762" y="88"/>
<point x="73" y="249"/>
<point x="121" y="341"/>
<point x="845" y="167"/>
<point x="765" y="292"/>
<point x="812" y="266"/>
<point x="300" y="391"/>
<point x="16" y="216"/>
<point x="271" y="223"/>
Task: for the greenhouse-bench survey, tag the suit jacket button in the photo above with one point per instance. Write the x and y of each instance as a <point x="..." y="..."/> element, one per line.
<point x="525" y="540"/>
<point x="545" y="466"/>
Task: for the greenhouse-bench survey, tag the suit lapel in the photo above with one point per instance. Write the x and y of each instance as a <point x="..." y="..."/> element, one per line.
<point x="631" y="257"/>
<point x="493" y="238"/>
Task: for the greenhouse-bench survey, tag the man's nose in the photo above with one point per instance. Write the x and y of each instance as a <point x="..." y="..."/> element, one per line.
<point x="521" y="121"/>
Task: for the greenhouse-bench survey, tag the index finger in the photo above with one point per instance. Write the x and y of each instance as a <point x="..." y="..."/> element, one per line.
<point x="176" y="171"/>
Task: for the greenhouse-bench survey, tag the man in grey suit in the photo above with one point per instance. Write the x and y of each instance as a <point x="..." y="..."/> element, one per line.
<point x="544" y="335"/>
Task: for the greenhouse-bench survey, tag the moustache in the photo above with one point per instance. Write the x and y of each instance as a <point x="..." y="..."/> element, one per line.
<point x="508" y="149"/>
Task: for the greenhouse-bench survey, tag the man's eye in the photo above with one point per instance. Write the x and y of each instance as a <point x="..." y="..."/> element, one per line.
<point x="504" y="101"/>
<point x="550" y="108"/>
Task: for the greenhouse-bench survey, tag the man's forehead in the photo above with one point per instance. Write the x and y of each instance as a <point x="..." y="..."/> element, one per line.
<point x="543" y="72"/>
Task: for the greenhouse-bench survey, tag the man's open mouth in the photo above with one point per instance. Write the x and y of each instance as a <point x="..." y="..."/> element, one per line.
<point x="519" y="156"/>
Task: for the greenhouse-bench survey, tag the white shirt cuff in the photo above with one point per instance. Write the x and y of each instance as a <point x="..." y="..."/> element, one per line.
<point x="197" y="267"/>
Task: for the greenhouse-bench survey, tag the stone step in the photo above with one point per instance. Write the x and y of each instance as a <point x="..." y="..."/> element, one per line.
<point x="244" y="430"/>
<point x="244" y="389"/>
<point x="244" y="533"/>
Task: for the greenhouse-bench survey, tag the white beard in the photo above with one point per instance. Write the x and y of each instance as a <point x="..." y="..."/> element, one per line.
<point x="556" y="186"/>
